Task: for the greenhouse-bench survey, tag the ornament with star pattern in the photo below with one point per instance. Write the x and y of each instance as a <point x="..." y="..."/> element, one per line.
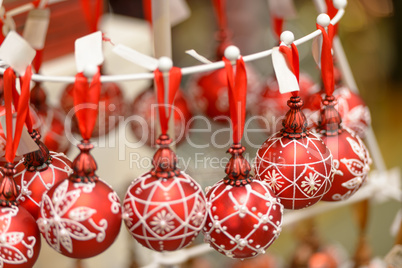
<point x="164" y="209"/>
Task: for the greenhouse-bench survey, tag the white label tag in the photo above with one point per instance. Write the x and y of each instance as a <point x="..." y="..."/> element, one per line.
<point x="316" y="46"/>
<point x="287" y="81"/>
<point x="36" y="27"/>
<point x="282" y="8"/>
<point x="16" y="52"/>
<point x="136" y="57"/>
<point x="179" y="11"/>
<point x="197" y="56"/>
<point x="88" y="51"/>
<point x="26" y="144"/>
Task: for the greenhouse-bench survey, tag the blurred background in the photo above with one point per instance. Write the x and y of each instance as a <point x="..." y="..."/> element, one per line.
<point x="370" y="34"/>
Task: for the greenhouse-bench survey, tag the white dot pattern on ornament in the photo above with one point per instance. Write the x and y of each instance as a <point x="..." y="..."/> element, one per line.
<point x="237" y="241"/>
<point x="25" y="192"/>
<point x="190" y="216"/>
<point x="293" y="181"/>
<point x="10" y="254"/>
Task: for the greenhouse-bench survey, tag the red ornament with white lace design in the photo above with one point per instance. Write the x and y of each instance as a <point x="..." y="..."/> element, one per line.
<point x="80" y="217"/>
<point x="244" y="215"/>
<point x="350" y="156"/>
<point x="164" y="209"/>
<point x="295" y="162"/>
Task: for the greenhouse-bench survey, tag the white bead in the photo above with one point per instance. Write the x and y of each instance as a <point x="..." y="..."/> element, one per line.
<point x="340" y="4"/>
<point x="165" y="64"/>
<point x="323" y="20"/>
<point x="232" y="53"/>
<point x="287" y="37"/>
<point x="90" y="70"/>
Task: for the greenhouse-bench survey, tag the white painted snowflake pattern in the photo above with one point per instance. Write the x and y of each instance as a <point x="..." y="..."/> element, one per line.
<point x="273" y="180"/>
<point x="162" y="223"/>
<point x="58" y="230"/>
<point x="310" y="183"/>
<point x="199" y="214"/>
<point x="9" y="254"/>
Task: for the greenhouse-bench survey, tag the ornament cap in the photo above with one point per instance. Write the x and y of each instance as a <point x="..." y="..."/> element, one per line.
<point x="330" y="122"/>
<point x="38" y="98"/>
<point x="8" y="187"/>
<point x="38" y="160"/>
<point x="164" y="160"/>
<point x="84" y="165"/>
<point x="295" y="122"/>
<point x="238" y="168"/>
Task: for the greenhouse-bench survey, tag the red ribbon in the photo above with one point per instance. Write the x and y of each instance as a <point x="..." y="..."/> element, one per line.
<point x="147" y="9"/>
<point x="220" y="10"/>
<point x="37" y="61"/>
<point x="292" y="58"/>
<point x="174" y="84"/>
<point x="331" y="10"/>
<point x="277" y="26"/>
<point x="92" y="14"/>
<point x="21" y="109"/>
<point x="86" y="102"/>
<point x="327" y="64"/>
<point x="237" y="90"/>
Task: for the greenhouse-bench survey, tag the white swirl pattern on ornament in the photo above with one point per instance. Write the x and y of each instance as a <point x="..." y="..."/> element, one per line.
<point x="9" y="254"/>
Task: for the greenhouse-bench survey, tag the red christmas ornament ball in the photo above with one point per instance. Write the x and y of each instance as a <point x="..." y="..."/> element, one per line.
<point x="353" y="110"/>
<point x="144" y="106"/>
<point x="242" y="220"/>
<point x="164" y="214"/>
<point x="80" y="220"/>
<point x="20" y="239"/>
<point x="271" y="105"/>
<point x="34" y="182"/>
<point x="209" y="93"/>
<point x="351" y="163"/>
<point x="111" y="106"/>
<point x="297" y="170"/>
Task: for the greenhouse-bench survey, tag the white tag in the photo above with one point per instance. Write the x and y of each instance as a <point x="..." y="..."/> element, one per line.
<point x="88" y="51"/>
<point x="287" y="81"/>
<point x="197" y="56"/>
<point x="16" y="52"/>
<point x="394" y="257"/>
<point x="136" y="57"/>
<point x="36" y="27"/>
<point x="282" y="8"/>
<point x="179" y="11"/>
<point x="26" y="144"/>
<point x="316" y="46"/>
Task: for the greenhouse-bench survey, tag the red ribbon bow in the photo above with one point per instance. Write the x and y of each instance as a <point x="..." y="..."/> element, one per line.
<point x="21" y="104"/>
<point x="174" y="84"/>
<point x="86" y="102"/>
<point x="237" y="90"/>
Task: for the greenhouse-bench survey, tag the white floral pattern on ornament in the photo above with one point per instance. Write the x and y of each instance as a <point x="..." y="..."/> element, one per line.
<point x="9" y="254"/>
<point x="324" y="181"/>
<point x="161" y="224"/>
<point x="66" y="229"/>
